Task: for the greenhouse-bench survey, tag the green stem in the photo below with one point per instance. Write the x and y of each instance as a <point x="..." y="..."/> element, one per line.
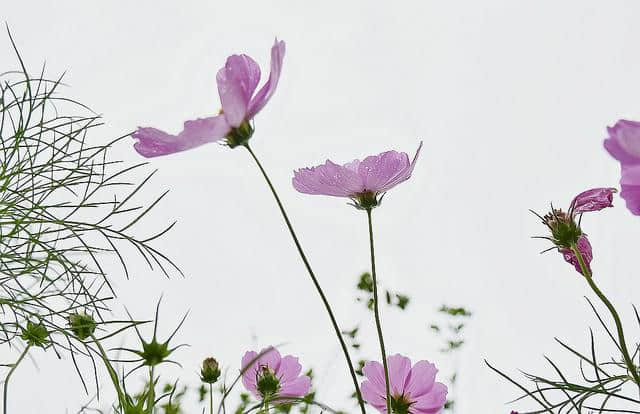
<point x="6" y="380"/>
<point x="210" y="398"/>
<point x="345" y="350"/>
<point x="616" y="318"/>
<point x="376" y="312"/>
<point x="112" y="372"/>
<point x="151" y="398"/>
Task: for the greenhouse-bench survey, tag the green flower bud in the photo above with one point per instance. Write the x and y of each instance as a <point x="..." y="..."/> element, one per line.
<point x="35" y="334"/>
<point x="210" y="371"/>
<point x="268" y="384"/>
<point x="82" y="325"/>
<point x="154" y="352"/>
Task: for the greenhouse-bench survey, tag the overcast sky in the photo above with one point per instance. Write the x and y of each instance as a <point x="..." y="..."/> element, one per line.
<point x="511" y="99"/>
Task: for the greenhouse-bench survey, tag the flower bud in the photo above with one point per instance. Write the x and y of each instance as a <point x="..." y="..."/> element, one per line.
<point x="35" y="334"/>
<point x="82" y="325"/>
<point x="268" y="384"/>
<point x="210" y="371"/>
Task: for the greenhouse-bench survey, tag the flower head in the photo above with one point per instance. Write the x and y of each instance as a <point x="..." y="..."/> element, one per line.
<point x="413" y="390"/>
<point x="362" y="181"/>
<point x="623" y="144"/>
<point x="268" y="375"/>
<point x="237" y="81"/>
<point x="566" y="233"/>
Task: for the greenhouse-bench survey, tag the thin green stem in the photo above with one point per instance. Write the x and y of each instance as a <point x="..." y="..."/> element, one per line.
<point x="6" y="380"/>
<point x="151" y="398"/>
<point x="112" y="372"/>
<point x="210" y="398"/>
<point x="345" y="350"/>
<point x="616" y="318"/>
<point x="376" y="312"/>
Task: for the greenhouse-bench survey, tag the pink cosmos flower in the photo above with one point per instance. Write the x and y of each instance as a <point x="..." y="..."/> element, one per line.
<point x="237" y="82"/>
<point x="269" y="375"/>
<point x="362" y="181"/>
<point x="565" y="231"/>
<point x="623" y="144"/>
<point x="413" y="390"/>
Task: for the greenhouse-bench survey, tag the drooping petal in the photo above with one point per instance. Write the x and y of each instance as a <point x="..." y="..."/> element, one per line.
<point x="374" y="371"/>
<point x="237" y="81"/>
<point x="431" y="402"/>
<point x="249" y="374"/>
<point x="327" y="179"/>
<point x="584" y="247"/>
<point x="297" y="387"/>
<point x="399" y="368"/>
<point x="624" y="141"/>
<point x="592" y="200"/>
<point x="153" y="142"/>
<point x="371" y="395"/>
<point x="289" y="368"/>
<point x="403" y="175"/>
<point x="421" y="379"/>
<point x="264" y="94"/>
<point x="376" y="171"/>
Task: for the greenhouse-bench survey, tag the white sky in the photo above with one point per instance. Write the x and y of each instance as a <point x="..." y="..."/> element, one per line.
<point x="510" y="97"/>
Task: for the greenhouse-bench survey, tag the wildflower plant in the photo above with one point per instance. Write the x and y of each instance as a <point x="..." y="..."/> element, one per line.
<point x="606" y="383"/>
<point x="68" y="211"/>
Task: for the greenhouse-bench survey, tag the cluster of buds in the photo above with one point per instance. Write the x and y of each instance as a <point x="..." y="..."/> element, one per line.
<point x="566" y="234"/>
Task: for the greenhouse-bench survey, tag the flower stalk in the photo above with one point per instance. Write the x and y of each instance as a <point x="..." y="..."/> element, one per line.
<point x="313" y="278"/>
<point x="376" y="312"/>
<point x="210" y="398"/>
<point x="616" y="318"/>
<point x="151" y="397"/>
<point x="112" y="372"/>
<point x="5" y="397"/>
